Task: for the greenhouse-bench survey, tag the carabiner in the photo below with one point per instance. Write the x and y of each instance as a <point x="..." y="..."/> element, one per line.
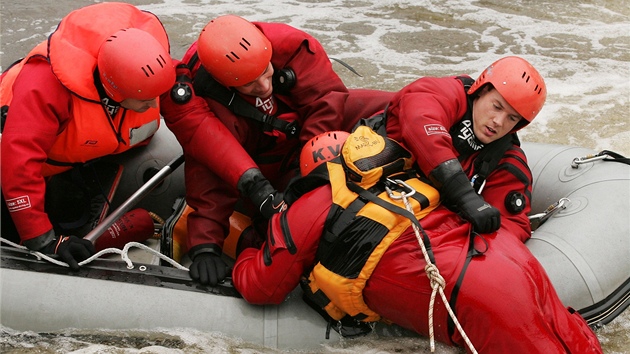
<point x="538" y="219"/>
<point x="588" y="158"/>
<point x="408" y="190"/>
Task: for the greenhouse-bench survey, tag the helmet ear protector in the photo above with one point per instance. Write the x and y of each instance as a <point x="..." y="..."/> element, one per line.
<point x="182" y="91"/>
<point x="283" y="80"/>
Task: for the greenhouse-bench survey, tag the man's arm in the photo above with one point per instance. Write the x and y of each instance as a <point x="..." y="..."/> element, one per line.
<point x="268" y="275"/>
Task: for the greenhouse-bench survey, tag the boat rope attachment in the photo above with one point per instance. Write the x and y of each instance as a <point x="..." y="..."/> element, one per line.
<point x="605" y="155"/>
<point x="433" y="273"/>
<point x="124" y="254"/>
<point x="538" y="219"/>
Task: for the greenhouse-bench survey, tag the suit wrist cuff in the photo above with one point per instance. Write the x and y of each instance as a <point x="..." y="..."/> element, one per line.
<point x="205" y="248"/>
<point x="40" y="242"/>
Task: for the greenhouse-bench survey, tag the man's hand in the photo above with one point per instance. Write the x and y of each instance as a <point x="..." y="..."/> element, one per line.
<point x="264" y="196"/>
<point x="273" y="204"/>
<point x="457" y="191"/>
<point x="208" y="269"/>
<point x="70" y="249"/>
<point x="484" y="217"/>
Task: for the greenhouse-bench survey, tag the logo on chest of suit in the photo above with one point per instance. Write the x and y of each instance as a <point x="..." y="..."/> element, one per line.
<point x="466" y="134"/>
<point x="266" y="105"/>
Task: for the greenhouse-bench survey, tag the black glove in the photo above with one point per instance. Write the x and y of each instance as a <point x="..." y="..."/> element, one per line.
<point x="258" y="189"/>
<point x="208" y="267"/>
<point x="70" y="249"/>
<point x="457" y="191"/>
<point x="484" y="217"/>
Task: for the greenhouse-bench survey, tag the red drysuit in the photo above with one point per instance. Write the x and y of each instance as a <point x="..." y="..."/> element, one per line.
<point x="220" y="146"/>
<point x="421" y="117"/>
<point x="56" y="114"/>
<point x="505" y="303"/>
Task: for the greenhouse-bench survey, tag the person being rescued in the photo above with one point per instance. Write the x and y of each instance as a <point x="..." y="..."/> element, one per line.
<point x="249" y="94"/>
<point x="361" y="229"/>
<point x="90" y="90"/>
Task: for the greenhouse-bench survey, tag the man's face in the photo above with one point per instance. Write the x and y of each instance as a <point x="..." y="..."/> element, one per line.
<point x="139" y="106"/>
<point x="493" y="117"/>
<point x="261" y="87"/>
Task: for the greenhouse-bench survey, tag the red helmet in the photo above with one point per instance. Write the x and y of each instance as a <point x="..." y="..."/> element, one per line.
<point x="133" y="64"/>
<point x="320" y="149"/>
<point x="519" y="84"/>
<point x="233" y="50"/>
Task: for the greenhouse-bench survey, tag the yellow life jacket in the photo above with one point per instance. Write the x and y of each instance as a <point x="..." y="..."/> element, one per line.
<point x="72" y="53"/>
<point x="364" y="221"/>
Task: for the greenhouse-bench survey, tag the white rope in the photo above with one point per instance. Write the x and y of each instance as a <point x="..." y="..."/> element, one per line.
<point x="433" y="273"/>
<point x="124" y="254"/>
<point x="38" y="255"/>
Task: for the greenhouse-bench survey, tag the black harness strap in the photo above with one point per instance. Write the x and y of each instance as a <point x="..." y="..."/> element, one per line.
<point x="472" y="252"/>
<point x="286" y="232"/>
<point x="206" y="86"/>
<point x="394" y="209"/>
<point x="489" y="158"/>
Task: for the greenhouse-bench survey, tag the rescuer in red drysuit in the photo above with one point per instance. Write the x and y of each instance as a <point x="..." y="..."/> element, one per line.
<point x="88" y="91"/>
<point x="236" y="155"/>
<point x="449" y="124"/>
<point x="505" y="301"/>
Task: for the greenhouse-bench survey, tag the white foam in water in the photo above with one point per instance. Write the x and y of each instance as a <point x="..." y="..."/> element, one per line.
<point x="582" y="49"/>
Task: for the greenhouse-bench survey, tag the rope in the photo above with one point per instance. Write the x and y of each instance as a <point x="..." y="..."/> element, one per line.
<point x="435" y="279"/>
<point x="124" y="254"/>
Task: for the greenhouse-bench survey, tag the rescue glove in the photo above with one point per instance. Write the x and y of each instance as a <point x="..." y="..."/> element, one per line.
<point x="208" y="268"/>
<point x="458" y="192"/>
<point x="70" y="249"/>
<point x="264" y="196"/>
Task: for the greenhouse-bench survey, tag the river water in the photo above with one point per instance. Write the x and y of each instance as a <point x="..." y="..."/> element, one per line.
<point x="582" y="48"/>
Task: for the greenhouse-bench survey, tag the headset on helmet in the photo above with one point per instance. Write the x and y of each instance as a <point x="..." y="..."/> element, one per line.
<point x="320" y="149"/>
<point x="233" y="50"/>
<point x="133" y="64"/>
<point x="518" y="82"/>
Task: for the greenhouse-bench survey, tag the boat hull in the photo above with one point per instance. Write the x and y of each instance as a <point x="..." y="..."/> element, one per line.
<point x="585" y="249"/>
<point x="40" y="297"/>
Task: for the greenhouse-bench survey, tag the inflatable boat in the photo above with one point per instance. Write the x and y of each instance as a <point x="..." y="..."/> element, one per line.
<point x="580" y="213"/>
